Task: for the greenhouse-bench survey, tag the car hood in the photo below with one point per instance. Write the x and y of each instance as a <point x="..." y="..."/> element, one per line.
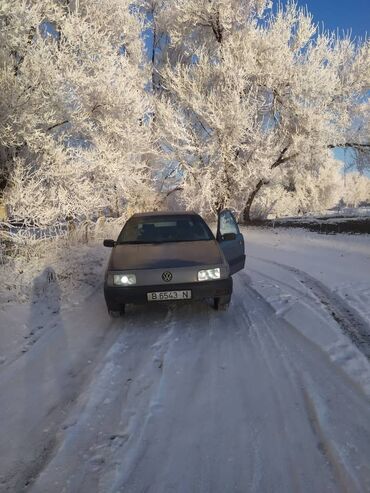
<point x="165" y="255"/>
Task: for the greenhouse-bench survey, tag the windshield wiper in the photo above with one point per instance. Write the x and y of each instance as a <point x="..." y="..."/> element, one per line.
<point x="131" y="242"/>
<point x="140" y="242"/>
<point x="160" y="242"/>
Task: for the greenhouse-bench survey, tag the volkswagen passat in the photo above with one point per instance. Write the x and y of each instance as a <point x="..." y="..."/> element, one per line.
<point x="167" y="256"/>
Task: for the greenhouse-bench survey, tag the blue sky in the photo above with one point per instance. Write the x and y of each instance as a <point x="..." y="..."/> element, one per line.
<point x="344" y="15"/>
<point x="334" y="15"/>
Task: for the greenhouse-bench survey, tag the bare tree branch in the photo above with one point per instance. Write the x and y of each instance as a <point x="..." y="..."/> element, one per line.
<point x="57" y="125"/>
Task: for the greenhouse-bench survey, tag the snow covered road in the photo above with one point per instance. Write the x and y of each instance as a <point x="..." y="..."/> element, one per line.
<point x="269" y="396"/>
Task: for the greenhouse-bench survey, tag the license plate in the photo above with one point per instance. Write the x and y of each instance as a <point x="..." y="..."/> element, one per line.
<point x="169" y="295"/>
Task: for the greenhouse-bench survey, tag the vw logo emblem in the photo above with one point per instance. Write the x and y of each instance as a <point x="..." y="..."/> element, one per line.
<point x="167" y="276"/>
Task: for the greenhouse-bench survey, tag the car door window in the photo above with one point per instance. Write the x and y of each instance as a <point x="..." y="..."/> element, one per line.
<point x="231" y="241"/>
<point x="227" y="224"/>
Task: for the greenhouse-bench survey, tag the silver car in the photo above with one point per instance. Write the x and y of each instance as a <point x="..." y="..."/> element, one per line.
<point x="170" y="256"/>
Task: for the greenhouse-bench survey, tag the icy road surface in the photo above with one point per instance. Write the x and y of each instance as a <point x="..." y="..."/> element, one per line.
<point x="271" y="396"/>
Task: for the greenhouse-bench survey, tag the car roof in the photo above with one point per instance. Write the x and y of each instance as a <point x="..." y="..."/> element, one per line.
<point x="165" y="213"/>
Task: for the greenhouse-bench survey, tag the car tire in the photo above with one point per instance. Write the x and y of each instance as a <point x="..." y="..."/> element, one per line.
<point x="222" y="303"/>
<point x="116" y="313"/>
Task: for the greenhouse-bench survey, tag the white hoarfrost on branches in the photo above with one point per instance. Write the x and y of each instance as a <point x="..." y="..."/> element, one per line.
<point x="237" y="102"/>
<point x="356" y="189"/>
<point x="255" y="92"/>
<point x="296" y="191"/>
<point x="75" y="134"/>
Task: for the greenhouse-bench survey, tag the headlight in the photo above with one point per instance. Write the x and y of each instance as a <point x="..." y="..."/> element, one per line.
<point x="209" y="274"/>
<point x="124" y="279"/>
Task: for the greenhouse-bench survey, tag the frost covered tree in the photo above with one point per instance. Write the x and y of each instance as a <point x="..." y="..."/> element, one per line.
<point x="358" y="156"/>
<point x="356" y="189"/>
<point x="235" y="95"/>
<point x="294" y="191"/>
<point x="75" y="132"/>
<point x="254" y="92"/>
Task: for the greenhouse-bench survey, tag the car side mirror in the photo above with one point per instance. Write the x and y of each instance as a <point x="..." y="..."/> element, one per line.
<point x="228" y="237"/>
<point x="109" y="243"/>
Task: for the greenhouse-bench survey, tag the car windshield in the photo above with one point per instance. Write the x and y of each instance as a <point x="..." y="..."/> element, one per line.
<point x="163" y="229"/>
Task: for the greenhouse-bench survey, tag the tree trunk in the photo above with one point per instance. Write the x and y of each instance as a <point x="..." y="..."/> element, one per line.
<point x="248" y="204"/>
<point x="247" y="208"/>
<point x="282" y="159"/>
<point x="219" y="206"/>
<point x="154" y="86"/>
<point x="223" y="198"/>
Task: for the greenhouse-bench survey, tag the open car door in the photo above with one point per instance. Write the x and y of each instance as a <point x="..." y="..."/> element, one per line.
<point x="231" y="240"/>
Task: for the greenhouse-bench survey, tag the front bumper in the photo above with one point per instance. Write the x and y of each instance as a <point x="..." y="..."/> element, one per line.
<point x="116" y="296"/>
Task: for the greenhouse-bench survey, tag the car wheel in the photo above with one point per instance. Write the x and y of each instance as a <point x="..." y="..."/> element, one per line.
<point x="116" y="313"/>
<point x="222" y="303"/>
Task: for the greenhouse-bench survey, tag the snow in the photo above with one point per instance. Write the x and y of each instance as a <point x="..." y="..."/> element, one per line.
<point x="317" y="283"/>
<point x="31" y="292"/>
<point x="349" y="212"/>
<point x="345" y="220"/>
<point x="272" y="395"/>
<point x="340" y="262"/>
<point x="342" y="212"/>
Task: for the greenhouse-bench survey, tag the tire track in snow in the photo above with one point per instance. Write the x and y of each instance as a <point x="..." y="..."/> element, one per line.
<point x="218" y="416"/>
<point x="266" y="330"/>
<point x="303" y="389"/>
<point x="327" y="448"/>
<point x="174" y="340"/>
<point x="73" y="373"/>
<point x="56" y="417"/>
<point x="350" y="322"/>
<point x="112" y="383"/>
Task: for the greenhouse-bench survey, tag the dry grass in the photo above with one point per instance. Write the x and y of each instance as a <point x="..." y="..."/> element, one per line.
<point x="75" y="256"/>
